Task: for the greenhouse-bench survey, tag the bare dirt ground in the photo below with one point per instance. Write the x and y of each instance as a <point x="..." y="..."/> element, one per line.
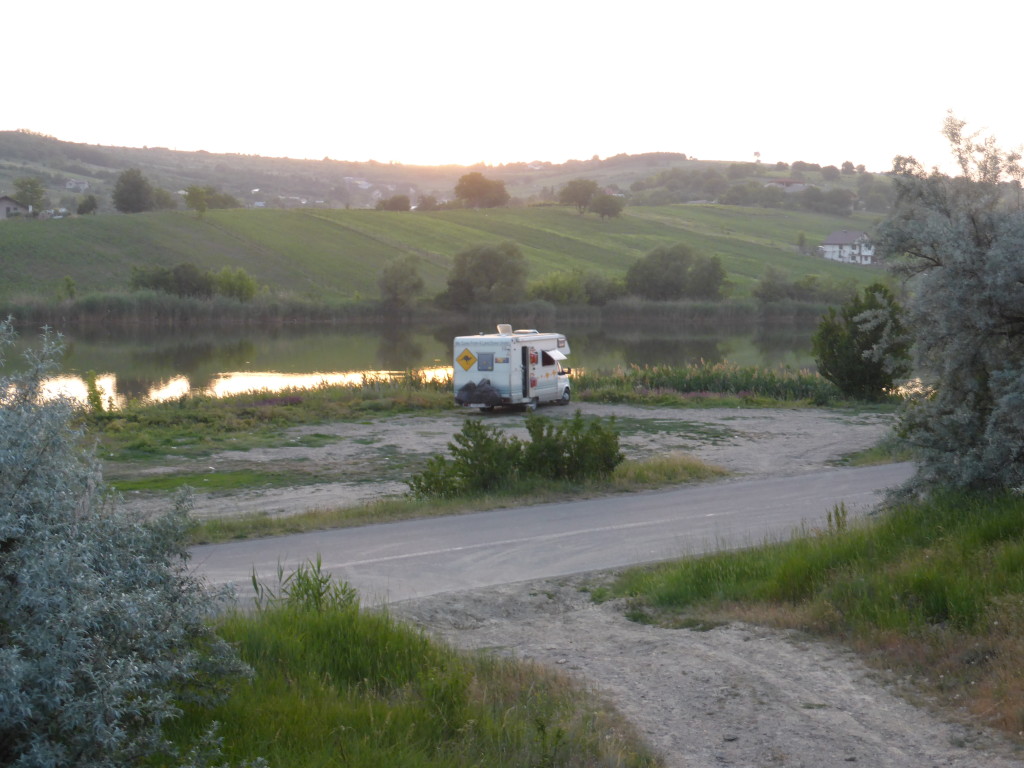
<point x="735" y="695"/>
<point x="370" y="460"/>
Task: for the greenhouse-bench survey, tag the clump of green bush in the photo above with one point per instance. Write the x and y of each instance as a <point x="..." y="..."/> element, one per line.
<point x="189" y="280"/>
<point x="483" y="458"/>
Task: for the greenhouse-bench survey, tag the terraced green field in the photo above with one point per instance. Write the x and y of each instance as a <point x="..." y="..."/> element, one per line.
<point x="338" y="254"/>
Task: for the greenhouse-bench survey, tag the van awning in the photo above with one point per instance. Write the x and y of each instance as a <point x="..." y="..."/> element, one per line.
<point x="556" y="354"/>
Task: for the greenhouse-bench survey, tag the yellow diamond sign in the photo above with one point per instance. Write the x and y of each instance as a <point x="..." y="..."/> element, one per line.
<point x="466" y="359"/>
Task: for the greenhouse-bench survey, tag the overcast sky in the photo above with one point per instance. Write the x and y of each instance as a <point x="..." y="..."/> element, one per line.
<point x="477" y="81"/>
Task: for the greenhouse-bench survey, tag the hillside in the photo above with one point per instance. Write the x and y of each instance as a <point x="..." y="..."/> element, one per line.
<point x="286" y="182"/>
<point x="69" y="171"/>
<point x="338" y="254"/>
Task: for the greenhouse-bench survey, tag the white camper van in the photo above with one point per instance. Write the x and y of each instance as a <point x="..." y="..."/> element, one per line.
<point x="509" y="367"/>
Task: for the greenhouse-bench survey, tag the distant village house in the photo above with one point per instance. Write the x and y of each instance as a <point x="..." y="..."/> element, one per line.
<point x="788" y="185"/>
<point x="10" y="208"/>
<point x="849" y="246"/>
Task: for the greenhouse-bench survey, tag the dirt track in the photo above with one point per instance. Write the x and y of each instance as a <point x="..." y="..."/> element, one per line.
<point x="372" y="459"/>
<point x="734" y="695"/>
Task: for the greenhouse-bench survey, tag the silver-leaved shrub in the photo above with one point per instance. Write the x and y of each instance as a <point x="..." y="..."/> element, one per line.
<point x="959" y="241"/>
<point x="103" y="629"/>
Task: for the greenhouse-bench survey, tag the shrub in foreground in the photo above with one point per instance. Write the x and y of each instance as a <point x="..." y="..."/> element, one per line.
<point x="102" y="627"/>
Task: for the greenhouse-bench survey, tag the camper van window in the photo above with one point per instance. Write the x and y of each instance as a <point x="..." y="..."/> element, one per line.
<point x="546" y="359"/>
<point x="485" y="361"/>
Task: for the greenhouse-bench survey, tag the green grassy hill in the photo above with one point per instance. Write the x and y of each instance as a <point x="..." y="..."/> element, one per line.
<point x="338" y="254"/>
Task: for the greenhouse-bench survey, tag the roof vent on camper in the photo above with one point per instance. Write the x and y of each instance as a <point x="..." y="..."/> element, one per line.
<point x="527" y="330"/>
<point x="504" y="329"/>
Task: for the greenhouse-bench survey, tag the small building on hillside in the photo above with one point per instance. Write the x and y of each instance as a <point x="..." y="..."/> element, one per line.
<point x="850" y="246"/>
<point x="10" y="208"/>
<point x="788" y="185"/>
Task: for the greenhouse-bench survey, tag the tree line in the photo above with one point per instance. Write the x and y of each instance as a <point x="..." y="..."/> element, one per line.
<point x="497" y="274"/>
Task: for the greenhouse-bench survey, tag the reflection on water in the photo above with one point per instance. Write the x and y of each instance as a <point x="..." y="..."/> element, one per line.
<point x="163" y="364"/>
<point x="226" y="384"/>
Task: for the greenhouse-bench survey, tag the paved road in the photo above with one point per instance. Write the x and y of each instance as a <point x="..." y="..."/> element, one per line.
<point x="417" y="558"/>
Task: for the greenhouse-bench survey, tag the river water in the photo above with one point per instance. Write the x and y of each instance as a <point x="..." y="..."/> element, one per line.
<point x="163" y="364"/>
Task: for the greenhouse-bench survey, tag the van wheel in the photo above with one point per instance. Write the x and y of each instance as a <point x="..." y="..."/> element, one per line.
<point x="566" y="397"/>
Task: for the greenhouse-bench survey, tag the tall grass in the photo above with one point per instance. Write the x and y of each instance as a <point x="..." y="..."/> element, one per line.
<point x="696" y="383"/>
<point x="936" y="588"/>
<point x="155" y="309"/>
<point x="338" y="685"/>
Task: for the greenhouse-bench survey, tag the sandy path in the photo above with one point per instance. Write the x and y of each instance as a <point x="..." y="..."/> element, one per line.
<point x="735" y="695"/>
<point x="371" y="459"/>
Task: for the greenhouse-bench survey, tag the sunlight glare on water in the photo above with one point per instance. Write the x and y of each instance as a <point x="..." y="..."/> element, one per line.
<point x="230" y="383"/>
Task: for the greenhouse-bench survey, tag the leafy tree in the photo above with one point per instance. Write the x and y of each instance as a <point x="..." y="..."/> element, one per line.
<point x="68" y="288"/>
<point x="675" y="272"/>
<point x="706" y="279"/>
<point x="564" y="288"/>
<point x="862" y="348"/>
<point x="235" y="284"/>
<point x="830" y="173"/>
<point x="29" y="190"/>
<point x="183" y="280"/>
<point x="486" y="274"/>
<point x="741" y="170"/>
<point x="749" y="193"/>
<point x="395" y="203"/>
<point x="89" y="205"/>
<point x="427" y="203"/>
<point x="838" y="202"/>
<point x="800" y="165"/>
<point x="195" y="198"/>
<point x="601" y="290"/>
<point x="163" y="200"/>
<point x="578" y="192"/>
<point x="958" y="241"/>
<point x="847" y="167"/>
<point x="400" y="283"/>
<point x="216" y="199"/>
<point x="662" y="274"/>
<point x="189" y="280"/>
<point x="132" y="192"/>
<point x="476" y="191"/>
<point x="775" y="287"/>
<point x="607" y="206"/>
<point x="103" y="626"/>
